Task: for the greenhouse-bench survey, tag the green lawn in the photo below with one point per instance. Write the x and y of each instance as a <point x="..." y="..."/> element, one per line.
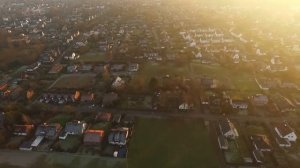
<point x="92" y="57"/>
<point x="70" y="143"/>
<point x="74" y="81"/>
<point x="171" y="143"/>
<point x="158" y="70"/>
<point x="229" y="77"/>
<point x="61" y="118"/>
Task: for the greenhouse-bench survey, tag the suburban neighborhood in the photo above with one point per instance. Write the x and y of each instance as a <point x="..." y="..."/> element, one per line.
<point x="137" y="83"/>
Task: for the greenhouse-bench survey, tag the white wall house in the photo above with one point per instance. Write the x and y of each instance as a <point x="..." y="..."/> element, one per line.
<point x="285" y="131"/>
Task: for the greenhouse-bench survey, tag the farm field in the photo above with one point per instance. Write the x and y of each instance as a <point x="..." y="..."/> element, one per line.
<point x="156" y="143"/>
<point x="74" y="81"/>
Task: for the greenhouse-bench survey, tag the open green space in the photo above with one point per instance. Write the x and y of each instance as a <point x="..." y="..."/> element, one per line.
<point x="71" y="143"/>
<point x="60" y="118"/>
<point x="74" y="81"/>
<point x="158" y="70"/>
<point x="93" y="57"/>
<point x="231" y="78"/>
<point x="171" y="143"/>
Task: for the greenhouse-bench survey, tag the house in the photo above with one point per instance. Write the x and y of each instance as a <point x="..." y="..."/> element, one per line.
<point x="73" y="56"/>
<point x="87" y="97"/>
<point x="258" y="156"/>
<point x="228" y="129"/>
<point x="22" y="130"/>
<point x="33" y="67"/>
<point x="133" y="67"/>
<point x="261" y="143"/>
<point x="119" y="83"/>
<point x="73" y="128"/>
<point x="239" y="104"/>
<point x="283" y="104"/>
<point x="93" y="137"/>
<point x="37" y="141"/>
<point x="284" y="131"/>
<point x="72" y="68"/>
<point x="118" y="136"/>
<point x="49" y="131"/>
<point x="86" y="68"/>
<point x="260" y="100"/>
<point x="266" y="83"/>
<point x="208" y="83"/>
<point x="26" y="146"/>
<point x="185" y="106"/>
<point x="117" y="67"/>
<point x="283" y="142"/>
<point x="104" y="117"/>
<point x="223" y="143"/>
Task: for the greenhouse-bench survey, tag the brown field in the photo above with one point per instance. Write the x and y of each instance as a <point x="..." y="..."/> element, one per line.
<point x="74" y="81"/>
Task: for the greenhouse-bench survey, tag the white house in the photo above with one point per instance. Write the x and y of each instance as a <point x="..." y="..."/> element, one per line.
<point x="239" y="104"/>
<point x="227" y="129"/>
<point x="285" y="131"/>
<point x="260" y="100"/>
<point x="118" y="83"/>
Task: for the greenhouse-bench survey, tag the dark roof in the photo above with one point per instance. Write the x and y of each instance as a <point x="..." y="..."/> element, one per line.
<point x="261" y="142"/>
<point x="225" y="125"/>
<point x="49" y="131"/>
<point x="258" y="155"/>
<point x="19" y="129"/>
<point x="104" y="116"/>
<point x="284" y="128"/>
<point x="75" y="127"/>
<point x="26" y="144"/>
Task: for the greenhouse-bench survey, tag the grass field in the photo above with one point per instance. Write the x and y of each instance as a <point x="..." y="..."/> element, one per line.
<point x="171" y="143"/>
<point x="19" y="159"/>
<point x="21" y="55"/>
<point x="93" y="57"/>
<point x="232" y="79"/>
<point x="74" y="81"/>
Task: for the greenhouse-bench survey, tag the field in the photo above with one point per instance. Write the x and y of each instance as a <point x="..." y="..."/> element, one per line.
<point x="232" y="79"/>
<point x="93" y="57"/>
<point x="171" y="143"/>
<point x="74" y="81"/>
<point x="10" y="57"/>
<point x="18" y="159"/>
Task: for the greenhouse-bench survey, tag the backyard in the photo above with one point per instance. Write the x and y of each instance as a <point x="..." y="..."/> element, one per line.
<point x="156" y="144"/>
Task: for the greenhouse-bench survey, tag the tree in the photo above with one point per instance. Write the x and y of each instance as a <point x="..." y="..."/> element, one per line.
<point x="153" y="84"/>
